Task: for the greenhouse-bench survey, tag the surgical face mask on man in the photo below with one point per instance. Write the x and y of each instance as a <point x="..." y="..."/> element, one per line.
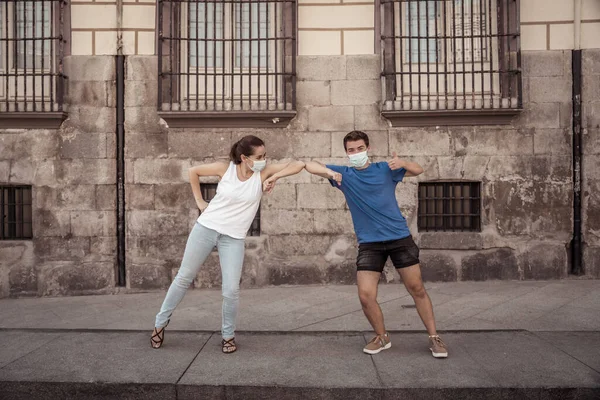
<point x="358" y="160"/>
<point x="258" y="165"/>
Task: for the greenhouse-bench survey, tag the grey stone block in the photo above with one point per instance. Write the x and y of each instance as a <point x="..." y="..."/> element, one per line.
<point x="141" y="93"/>
<point x="184" y="143"/>
<point x="591" y="62"/>
<point x="277" y="222"/>
<point x="282" y="197"/>
<point x="378" y="141"/>
<point x="4" y="170"/>
<point x="286" y="274"/>
<point x="298" y="245"/>
<point x="165" y="247"/>
<point x="321" y="68"/>
<point x="142" y="68"/>
<point x="90" y="68"/>
<point x="51" y="223"/>
<point x="99" y="171"/>
<point x="93" y="223"/>
<point x="62" y="249"/>
<point x="333" y="221"/>
<point x="416" y="142"/>
<point x="144" y="273"/>
<point x="494" y="264"/>
<point x="23" y="171"/>
<point x="552" y="141"/>
<point x="317" y="196"/>
<point x="277" y="142"/>
<point x="70" y="197"/>
<point x="566" y="115"/>
<point x="539" y="115"/>
<point x="369" y="118"/>
<point x="31" y="144"/>
<point x="437" y="267"/>
<point x="82" y="145"/>
<point x="492" y="142"/>
<point x="550" y="89"/>
<point x="106" y="197"/>
<point x="313" y="93"/>
<point x="139" y="197"/>
<point x="60" y="278"/>
<point x="143" y="120"/>
<point x="91" y="119"/>
<point x="451" y="240"/>
<point x="591" y="115"/>
<point x="544" y="63"/>
<point x="104" y="245"/>
<point x="152" y="171"/>
<point x="552" y="168"/>
<point x="509" y="168"/>
<point x="363" y="67"/>
<point x="90" y="93"/>
<point x="334" y="118"/>
<point x="156" y="223"/>
<point x="312" y="144"/>
<point x="355" y="92"/>
<point x="173" y="197"/>
<point x="142" y="145"/>
<point x="545" y="261"/>
<point x="591" y="261"/>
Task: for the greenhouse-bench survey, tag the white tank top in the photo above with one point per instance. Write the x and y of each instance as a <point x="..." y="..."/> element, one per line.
<point x="234" y="206"/>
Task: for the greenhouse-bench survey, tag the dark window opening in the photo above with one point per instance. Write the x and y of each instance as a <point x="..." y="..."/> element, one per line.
<point x="209" y="190"/>
<point x="449" y="207"/>
<point x="16" y="212"/>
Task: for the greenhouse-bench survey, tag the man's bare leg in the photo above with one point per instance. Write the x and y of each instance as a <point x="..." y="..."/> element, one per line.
<point x="367" y="292"/>
<point x="411" y="276"/>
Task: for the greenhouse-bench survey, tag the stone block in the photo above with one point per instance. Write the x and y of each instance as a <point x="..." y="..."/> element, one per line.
<point x="30" y="144"/>
<point x="90" y="68"/>
<point x="61" y="278"/>
<point x="155" y="223"/>
<point x="174" y="197"/>
<point x="90" y="93"/>
<point x="591" y="261"/>
<point x="105" y="245"/>
<point x="283" y="196"/>
<point x="590" y="88"/>
<point x="513" y="205"/>
<point x="148" y="273"/>
<point x="321" y="68"/>
<point x="23" y="171"/>
<point x="366" y="66"/>
<point x="280" y="222"/>
<point x="591" y="212"/>
<point x="149" y="171"/>
<point x="539" y="115"/>
<point x="341" y="273"/>
<point x="93" y="223"/>
<point x="591" y="115"/>
<point x="590" y="62"/>
<point x="308" y="274"/>
<point x="451" y="240"/>
<point x="298" y="245"/>
<point x="23" y="280"/>
<point x="493" y="264"/>
<point x="62" y="249"/>
<point x="414" y="142"/>
<point x="89" y="119"/>
<point x="141" y="93"/>
<point x="437" y="267"/>
<point x="17" y="269"/>
<point x="342" y="249"/>
<point x="74" y="144"/>
<point x="185" y="143"/>
<point x="467" y="167"/>
<point x="505" y="168"/>
<point x="550" y="89"/>
<point x="566" y="115"/>
<point x="544" y="261"/>
<point x="311" y="144"/>
<point x="313" y="93"/>
<point x="492" y="142"/>
<point x="552" y="168"/>
<point x="142" y="145"/>
<point x="106" y="197"/>
<point x="142" y="68"/>
<point x="302" y="177"/>
<point x="378" y="141"/>
<point x="51" y="223"/>
<point x="355" y="92"/>
<point x="369" y="118"/>
<point x="333" y="221"/>
<point x="317" y="196"/>
<point x="334" y="118"/>
<point x="99" y="171"/>
<point x="277" y="142"/>
<point x="209" y="275"/>
<point x="70" y="197"/>
<point x="4" y="170"/>
<point x="407" y="195"/>
<point x="163" y="247"/>
<point x="543" y="63"/>
<point x="143" y="120"/>
<point x="552" y="141"/>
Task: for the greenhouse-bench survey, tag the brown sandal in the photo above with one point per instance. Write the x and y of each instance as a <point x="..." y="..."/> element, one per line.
<point x="229" y="346"/>
<point x="158" y="337"/>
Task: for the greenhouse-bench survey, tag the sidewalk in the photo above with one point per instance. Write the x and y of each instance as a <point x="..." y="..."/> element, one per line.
<point x="507" y="340"/>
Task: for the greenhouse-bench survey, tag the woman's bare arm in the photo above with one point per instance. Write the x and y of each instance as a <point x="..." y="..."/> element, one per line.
<point x="212" y="169"/>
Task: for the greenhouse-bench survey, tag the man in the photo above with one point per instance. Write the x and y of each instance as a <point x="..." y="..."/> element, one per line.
<point x="382" y="232"/>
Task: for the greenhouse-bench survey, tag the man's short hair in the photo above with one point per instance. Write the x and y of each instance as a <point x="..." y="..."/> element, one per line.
<point x="355" y="136"/>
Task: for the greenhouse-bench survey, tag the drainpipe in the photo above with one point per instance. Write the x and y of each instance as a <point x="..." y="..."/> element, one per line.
<point x="576" y="242"/>
<point x="120" y="144"/>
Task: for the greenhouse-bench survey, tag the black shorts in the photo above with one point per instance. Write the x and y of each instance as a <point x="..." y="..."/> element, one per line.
<point x="372" y="256"/>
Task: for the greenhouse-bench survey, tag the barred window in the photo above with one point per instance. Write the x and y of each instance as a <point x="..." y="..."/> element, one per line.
<point x="209" y="190"/>
<point x="15" y="211"/>
<point x="451" y="55"/>
<point x="31" y="51"/>
<point x="449" y="206"/>
<point x="224" y="57"/>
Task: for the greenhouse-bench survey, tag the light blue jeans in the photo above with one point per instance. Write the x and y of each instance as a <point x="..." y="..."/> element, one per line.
<point x="199" y="245"/>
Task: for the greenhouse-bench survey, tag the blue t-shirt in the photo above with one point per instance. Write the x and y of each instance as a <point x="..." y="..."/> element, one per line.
<point x="371" y="197"/>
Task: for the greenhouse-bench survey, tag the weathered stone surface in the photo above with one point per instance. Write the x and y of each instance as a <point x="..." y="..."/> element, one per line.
<point x="550" y="89"/>
<point x="451" y="240"/>
<point x="90" y="93"/>
<point x="321" y="68"/>
<point x="333" y="221"/>
<point x="420" y="142"/>
<point x="437" y="267"/>
<point x="155" y="223"/>
<point x="544" y="261"/>
<point x="539" y="115"/>
<point x="591" y="115"/>
<point x="142" y="145"/>
<point x="74" y="144"/>
<point x="51" y="223"/>
<point x="363" y="67"/>
<point x="4" y="170"/>
<point x="298" y="245"/>
<point x="333" y="118"/>
<point x="312" y="144"/>
<point x="62" y="249"/>
<point x="106" y="197"/>
<point x="93" y="223"/>
<point x="106" y="245"/>
<point x="143" y="120"/>
<point x="59" y="278"/>
<point x="493" y="264"/>
<point x="342" y="273"/>
<point x="552" y="168"/>
<point x="81" y="172"/>
<point x="209" y="275"/>
<point x="503" y="168"/>
<point x="544" y="63"/>
<point x="23" y="280"/>
<point x="277" y="142"/>
<point x="146" y="273"/>
<point x="590" y="61"/>
<point x="141" y="68"/>
<point x="296" y="275"/>
<point x="496" y="142"/>
<point x="70" y="197"/>
<point x="141" y="93"/>
<point x="90" y="119"/>
<point x="552" y="141"/>
<point x="591" y="261"/>
<point x="23" y="171"/>
<point x="355" y="92"/>
<point x="164" y="247"/>
<point x="378" y="141"/>
<point x="369" y="118"/>
<point x="283" y="196"/>
<point x="343" y="248"/>
<point x="280" y="222"/>
<point x="161" y="171"/>
<point x="17" y="269"/>
<point x="90" y="68"/>
<point x="313" y="93"/>
<point x="566" y="115"/>
<point x="31" y="144"/>
<point x="467" y="167"/>
<point x="591" y="212"/>
<point x="173" y="197"/>
<point x="317" y="196"/>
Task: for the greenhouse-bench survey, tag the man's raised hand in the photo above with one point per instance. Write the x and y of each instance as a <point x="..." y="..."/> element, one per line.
<point x="335" y="176"/>
<point x="395" y="163"/>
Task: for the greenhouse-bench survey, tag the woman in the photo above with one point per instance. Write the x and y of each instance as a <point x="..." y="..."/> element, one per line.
<point x="224" y="223"/>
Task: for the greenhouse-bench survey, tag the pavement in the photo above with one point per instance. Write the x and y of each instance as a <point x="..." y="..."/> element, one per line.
<point x="507" y="340"/>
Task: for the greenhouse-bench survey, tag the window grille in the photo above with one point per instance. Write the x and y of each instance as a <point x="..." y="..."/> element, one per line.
<point x="16" y="212"/>
<point x="449" y="206"/>
<point x="209" y="190"/>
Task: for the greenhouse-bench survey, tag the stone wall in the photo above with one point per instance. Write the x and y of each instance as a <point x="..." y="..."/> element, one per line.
<point x="306" y="231"/>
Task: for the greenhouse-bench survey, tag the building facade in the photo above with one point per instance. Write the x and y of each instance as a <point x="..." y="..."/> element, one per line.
<point x="104" y="106"/>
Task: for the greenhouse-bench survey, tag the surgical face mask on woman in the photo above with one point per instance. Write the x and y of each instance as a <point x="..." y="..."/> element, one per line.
<point x="358" y="160"/>
<point x="258" y="165"/>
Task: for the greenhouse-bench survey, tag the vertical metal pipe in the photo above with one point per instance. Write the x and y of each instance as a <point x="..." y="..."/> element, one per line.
<point x="576" y="242"/>
<point x="120" y="68"/>
<point x="472" y="5"/>
<point x="464" y="68"/>
<point x="427" y="22"/>
<point x="171" y="59"/>
<point x="507" y="67"/>
<point x="5" y="52"/>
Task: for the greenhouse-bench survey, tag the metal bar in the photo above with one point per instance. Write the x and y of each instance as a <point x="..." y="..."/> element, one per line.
<point x="437" y="57"/>
<point x="392" y="50"/>
<point x="178" y="88"/>
<point x="214" y="36"/>
<point x="427" y="50"/>
<point x="509" y="58"/>
<point x="232" y="48"/>
<point x="277" y="78"/>
<point x="259" y="66"/>
<point x="24" y="53"/>
<point x="491" y="53"/>
<point x="250" y="43"/>
<point x="7" y="50"/>
<point x="445" y="19"/>
<point x="205" y="38"/>
<point x="419" y="90"/>
<point x="189" y="50"/>
<point x="294" y="54"/>
<point x="160" y="54"/>
<point x="454" y="73"/>
<point x="284" y="67"/>
<point x="3" y="191"/>
<point x="197" y="74"/>
<point x="472" y="4"/>
<point x="171" y="76"/>
<point x="519" y="76"/>
<point x="241" y="54"/>
<point x="482" y="47"/>
<point x="267" y="63"/>
<point x="223" y="76"/>
<point x="120" y="156"/>
<point x="35" y="36"/>
<point x="464" y="68"/>
<point x="410" y="61"/>
<point x="15" y="56"/>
